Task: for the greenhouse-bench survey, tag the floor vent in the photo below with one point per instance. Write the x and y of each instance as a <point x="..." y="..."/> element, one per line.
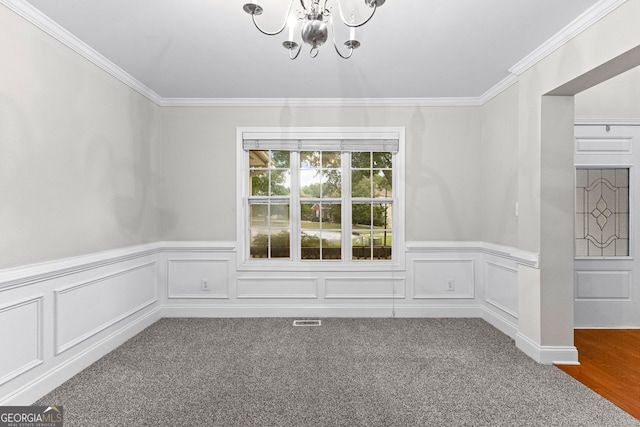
<point x="306" y="323"/>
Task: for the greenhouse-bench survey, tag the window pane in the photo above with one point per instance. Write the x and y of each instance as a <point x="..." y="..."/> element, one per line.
<point x="331" y="183"/>
<point x="382" y="234"/>
<point x="280" y="159"/>
<point x="259" y="243"/>
<point x="382" y="160"/>
<point x="361" y="216"/>
<point x="280" y="182"/>
<point x="330" y="233"/>
<point x="331" y="159"/>
<point x="361" y="160"/>
<point x="280" y="244"/>
<point x="280" y="216"/>
<point x="360" y="183"/>
<point x="258" y="159"/>
<point x="309" y="184"/>
<point x="602" y="212"/>
<point x="382" y="184"/>
<point x="309" y="159"/>
<point x="310" y="244"/>
<point x="258" y="214"/>
<point x="259" y="183"/>
<point x="331" y="244"/>
<point x="381" y="215"/>
<point x="361" y="245"/>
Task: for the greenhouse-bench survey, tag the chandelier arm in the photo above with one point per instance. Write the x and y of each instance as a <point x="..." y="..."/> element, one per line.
<point x="284" y="25"/>
<point x="297" y="53"/>
<point x="335" y="45"/>
<point x="373" y="12"/>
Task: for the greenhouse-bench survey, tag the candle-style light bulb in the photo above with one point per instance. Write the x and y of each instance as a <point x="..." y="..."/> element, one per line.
<point x="292" y="25"/>
<point x="352" y="30"/>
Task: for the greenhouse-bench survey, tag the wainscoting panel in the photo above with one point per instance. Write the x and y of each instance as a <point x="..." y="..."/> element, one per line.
<point x="21" y="337"/>
<point x="443" y="278"/>
<point x="84" y="309"/>
<point x="501" y="287"/>
<point x="618" y="145"/>
<point x="364" y="287"/>
<point x="592" y="285"/>
<point x="198" y="278"/>
<point x="65" y="314"/>
<point x="277" y="287"/>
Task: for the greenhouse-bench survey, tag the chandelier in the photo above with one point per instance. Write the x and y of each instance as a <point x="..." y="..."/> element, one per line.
<point x="316" y="20"/>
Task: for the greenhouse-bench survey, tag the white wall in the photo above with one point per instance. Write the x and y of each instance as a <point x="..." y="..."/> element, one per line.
<point x="499" y="172"/>
<point x="442" y="168"/>
<point x="617" y="98"/>
<point x="76" y="152"/>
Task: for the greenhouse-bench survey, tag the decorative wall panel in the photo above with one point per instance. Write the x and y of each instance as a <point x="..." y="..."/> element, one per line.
<point x="501" y="284"/>
<point x="364" y="287"/>
<point x="442" y="278"/>
<point x="198" y="278"/>
<point x="83" y="310"/>
<point x="277" y="287"/>
<point x="603" y="285"/>
<point x="20" y="338"/>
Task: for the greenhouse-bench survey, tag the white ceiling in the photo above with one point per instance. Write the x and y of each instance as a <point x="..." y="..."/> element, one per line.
<point x="411" y="48"/>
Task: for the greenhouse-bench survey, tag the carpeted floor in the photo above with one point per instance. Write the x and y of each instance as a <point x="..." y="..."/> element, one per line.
<point x="347" y="372"/>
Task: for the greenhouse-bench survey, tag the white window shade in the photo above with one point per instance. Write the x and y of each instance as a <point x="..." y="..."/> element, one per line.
<point x="382" y="145"/>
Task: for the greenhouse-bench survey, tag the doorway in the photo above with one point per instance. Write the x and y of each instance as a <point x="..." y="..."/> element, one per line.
<point x="606" y="226"/>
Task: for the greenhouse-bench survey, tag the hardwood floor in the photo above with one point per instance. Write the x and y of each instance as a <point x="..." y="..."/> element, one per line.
<point x="609" y="365"/>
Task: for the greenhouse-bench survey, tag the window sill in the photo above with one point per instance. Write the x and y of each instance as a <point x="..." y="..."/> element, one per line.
<point x="321" y="266"/>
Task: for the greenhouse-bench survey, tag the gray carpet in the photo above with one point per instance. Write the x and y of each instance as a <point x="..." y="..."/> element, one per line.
<point x="348" y="372"/>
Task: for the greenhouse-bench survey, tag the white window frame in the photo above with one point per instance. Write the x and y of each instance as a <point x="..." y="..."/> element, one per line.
<point x="321" y="134"/>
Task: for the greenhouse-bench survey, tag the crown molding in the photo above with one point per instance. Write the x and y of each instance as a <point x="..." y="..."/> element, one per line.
<point x="321" y="102"/>
<point x="578" y="25"/>
<point x="631" y="121"/>
<point x="46" y="24"/>
<point x="43" y="22"/>
<point x="497" y="89"/>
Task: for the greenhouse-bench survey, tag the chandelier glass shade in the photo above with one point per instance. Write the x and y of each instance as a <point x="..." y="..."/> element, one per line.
<point x="316" y="24"/>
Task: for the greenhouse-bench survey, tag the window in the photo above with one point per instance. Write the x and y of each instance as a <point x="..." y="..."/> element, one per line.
<point x="313" y="196"/>
<point x="602" y="212"/>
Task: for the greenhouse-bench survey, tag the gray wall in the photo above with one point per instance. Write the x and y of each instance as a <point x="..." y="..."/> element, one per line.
<point x="198" y="193"/>
<point x="76" y="153"/>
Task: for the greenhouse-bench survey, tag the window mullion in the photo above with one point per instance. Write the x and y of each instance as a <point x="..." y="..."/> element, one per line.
<point x="294" y="206"/>
<point x="346" y="207"/>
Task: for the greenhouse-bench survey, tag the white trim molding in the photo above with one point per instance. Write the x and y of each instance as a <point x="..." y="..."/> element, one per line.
<point x="546" y="354"/>
<point x="529" y="259"/>
<point x="577" y="26"/>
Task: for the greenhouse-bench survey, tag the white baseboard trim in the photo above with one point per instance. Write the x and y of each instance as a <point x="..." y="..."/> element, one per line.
<point x="272" y="310"/>
<point x="557" y="355"/>
<point x="42" y="385"/>
<point x="502" y="324"/>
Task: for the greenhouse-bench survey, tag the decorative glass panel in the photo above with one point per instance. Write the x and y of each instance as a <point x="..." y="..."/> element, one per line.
<point x="602" y="212"/>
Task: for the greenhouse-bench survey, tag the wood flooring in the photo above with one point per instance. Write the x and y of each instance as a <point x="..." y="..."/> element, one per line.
<point x="609" y="365"/>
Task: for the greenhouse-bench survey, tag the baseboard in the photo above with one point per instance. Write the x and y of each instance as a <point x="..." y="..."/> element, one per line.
<point x="502" y="324"/>
<point x="557" y="355"/>
<point x="273" y="310"/>
<point x="47" y="382"/>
